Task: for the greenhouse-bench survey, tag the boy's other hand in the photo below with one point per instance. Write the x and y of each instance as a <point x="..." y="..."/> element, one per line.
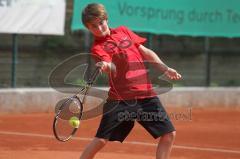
<point x="172" y="74"/>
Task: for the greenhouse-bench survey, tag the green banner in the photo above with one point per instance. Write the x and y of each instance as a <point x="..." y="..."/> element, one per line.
<point x="211" y="18"/>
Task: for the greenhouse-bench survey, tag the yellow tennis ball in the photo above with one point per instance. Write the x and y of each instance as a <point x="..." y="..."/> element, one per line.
<point x="74" y="122"/>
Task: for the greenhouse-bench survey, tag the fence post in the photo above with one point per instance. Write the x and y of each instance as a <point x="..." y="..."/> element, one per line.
<point x="14" y="59"/>
<point x="208" y="61"/>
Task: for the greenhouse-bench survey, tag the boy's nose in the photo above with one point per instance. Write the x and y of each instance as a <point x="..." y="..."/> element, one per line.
<point x="99" y="28"/>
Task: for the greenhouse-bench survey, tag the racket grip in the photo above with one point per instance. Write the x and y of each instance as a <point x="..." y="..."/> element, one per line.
<point x="94" y="75"/>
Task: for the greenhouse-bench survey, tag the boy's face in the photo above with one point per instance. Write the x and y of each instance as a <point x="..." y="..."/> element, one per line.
<point x="98" y="27"/>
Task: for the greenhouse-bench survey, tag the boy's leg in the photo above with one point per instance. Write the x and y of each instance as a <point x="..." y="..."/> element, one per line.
<point x="112" y="128"/>
<point x="158" y="124"/>
<point x="165" y="145"/>
<point x="95" y="145"/>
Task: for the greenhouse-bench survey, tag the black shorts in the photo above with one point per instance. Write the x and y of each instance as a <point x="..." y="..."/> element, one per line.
<point x="119" y="117"/>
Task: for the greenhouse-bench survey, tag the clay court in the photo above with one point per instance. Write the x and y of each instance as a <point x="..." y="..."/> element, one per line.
<point x="211" y="133"/>
<point x="44" y="47"/>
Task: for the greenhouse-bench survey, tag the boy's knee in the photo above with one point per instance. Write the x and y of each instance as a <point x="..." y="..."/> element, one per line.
<point x="101" y="141"/>
<point x="169" y="136"/>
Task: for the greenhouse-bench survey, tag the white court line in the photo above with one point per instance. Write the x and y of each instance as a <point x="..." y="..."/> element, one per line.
<point x="126" y="142"/>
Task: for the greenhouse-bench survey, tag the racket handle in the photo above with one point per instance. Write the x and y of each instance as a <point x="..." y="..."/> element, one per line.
<point x="94" y="75"/>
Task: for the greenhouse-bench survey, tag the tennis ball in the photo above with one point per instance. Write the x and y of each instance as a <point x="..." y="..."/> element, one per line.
<point x="74" y="122"/>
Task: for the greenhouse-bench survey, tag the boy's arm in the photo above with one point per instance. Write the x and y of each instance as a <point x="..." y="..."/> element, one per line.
<point x="152" y="57"/>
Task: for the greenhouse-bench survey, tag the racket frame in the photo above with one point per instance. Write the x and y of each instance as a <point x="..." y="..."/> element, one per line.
<point x="83" y="91"/>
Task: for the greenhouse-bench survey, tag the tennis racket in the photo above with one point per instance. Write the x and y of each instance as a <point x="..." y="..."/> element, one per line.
<point x="69" y="112"/>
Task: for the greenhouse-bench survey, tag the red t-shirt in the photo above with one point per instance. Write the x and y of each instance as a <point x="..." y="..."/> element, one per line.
<point x="121" y="48"/>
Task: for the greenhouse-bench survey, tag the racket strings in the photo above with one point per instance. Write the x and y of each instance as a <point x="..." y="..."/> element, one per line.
<point x="71" y="107"/>
<point x="63" y="129"/>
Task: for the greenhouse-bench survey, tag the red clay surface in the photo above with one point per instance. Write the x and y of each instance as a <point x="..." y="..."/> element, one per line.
<point x="201" y="133"/>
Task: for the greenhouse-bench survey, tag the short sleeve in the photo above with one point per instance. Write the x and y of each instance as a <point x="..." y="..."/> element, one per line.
<point x="138" y="40"/>
<point x="100" y="55"/>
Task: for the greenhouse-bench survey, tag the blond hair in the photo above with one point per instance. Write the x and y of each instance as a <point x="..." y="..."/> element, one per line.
<point x="93" y="11"/>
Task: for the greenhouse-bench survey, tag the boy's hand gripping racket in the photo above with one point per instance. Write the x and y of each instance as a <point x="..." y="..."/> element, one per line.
<point x="69" y="112"/>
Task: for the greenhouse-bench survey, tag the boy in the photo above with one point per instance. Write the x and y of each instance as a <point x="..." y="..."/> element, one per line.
<point x="120" y="53"/>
